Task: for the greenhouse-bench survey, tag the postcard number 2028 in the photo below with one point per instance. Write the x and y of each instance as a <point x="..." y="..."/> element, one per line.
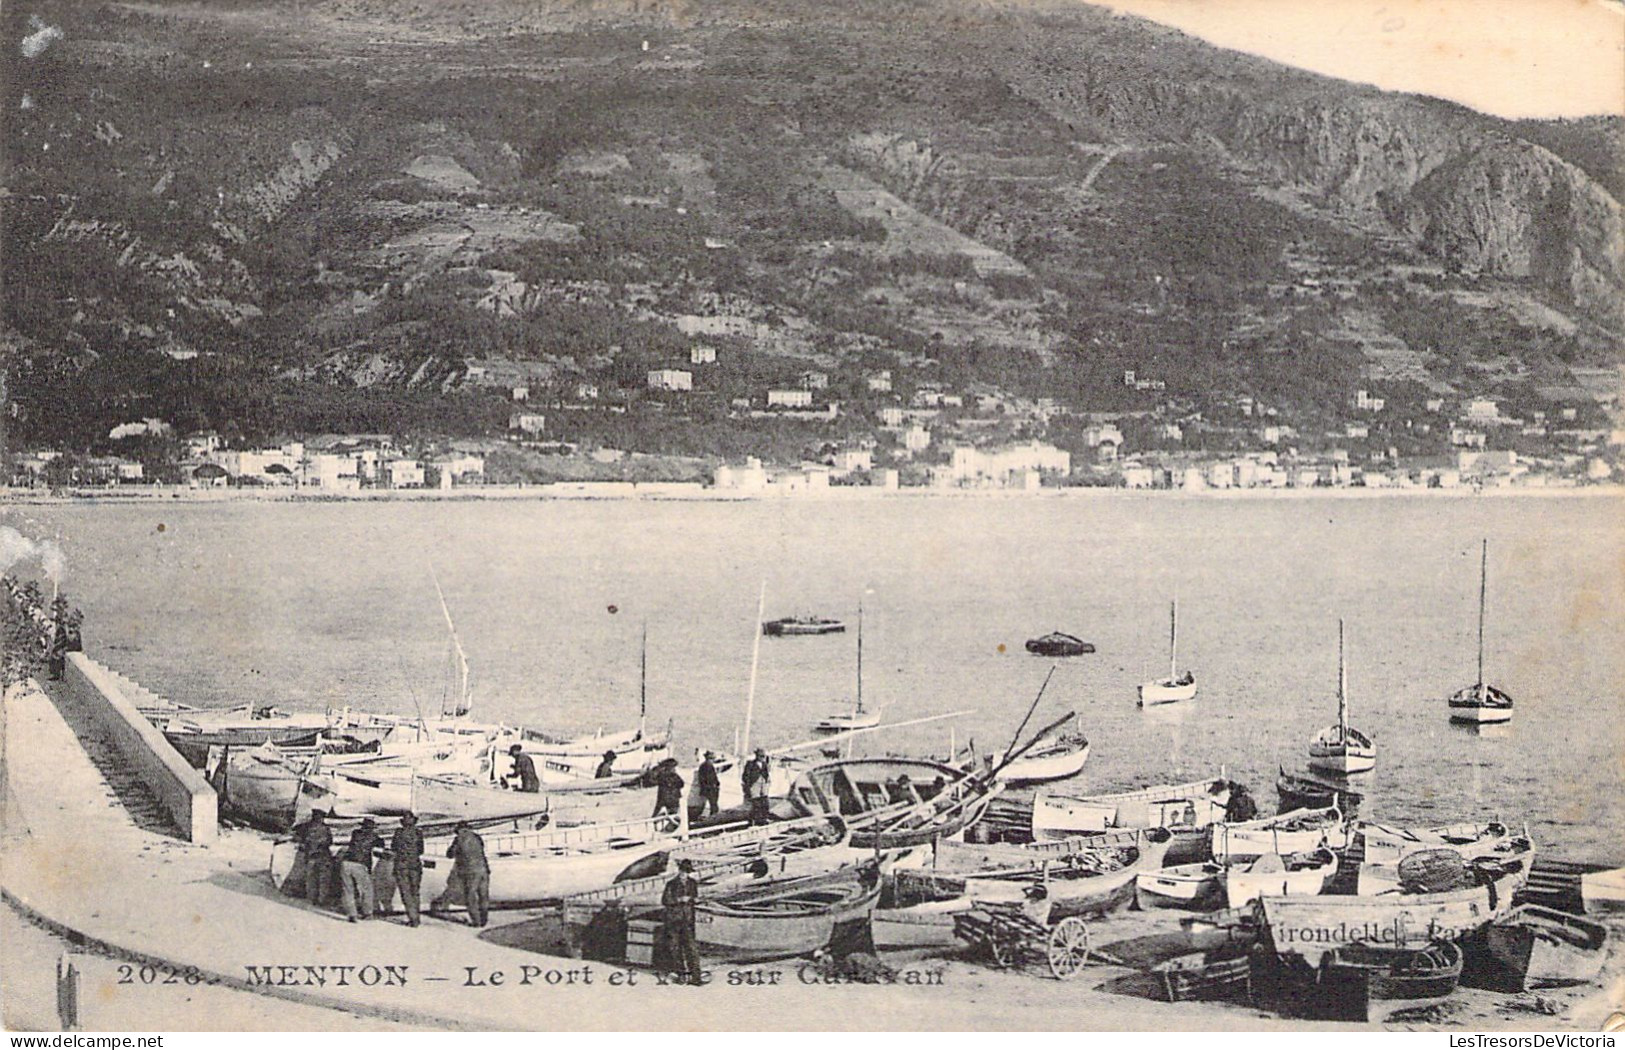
<point x="129" y="973"/>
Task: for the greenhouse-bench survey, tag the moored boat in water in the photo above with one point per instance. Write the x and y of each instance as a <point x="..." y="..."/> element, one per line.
<point x="1341" y="748"/>
<point x="795" y="626"/>
<point x="857" y="718"/>
<point x="1059" y="643"/>
<point x="1057" y="757"/>
<point x="1481" y="703"/>
<point x="1177" y="686"/>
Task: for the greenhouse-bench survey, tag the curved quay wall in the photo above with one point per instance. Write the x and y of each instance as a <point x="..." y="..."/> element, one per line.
<point x="190" y="801"/>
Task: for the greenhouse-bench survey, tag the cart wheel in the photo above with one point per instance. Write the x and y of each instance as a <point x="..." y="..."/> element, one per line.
<point x="1002" y="950"/>
<point x="1068" y="948"/>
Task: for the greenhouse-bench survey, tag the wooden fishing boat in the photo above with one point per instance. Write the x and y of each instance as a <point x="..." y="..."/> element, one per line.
<point x="1192" y="887"/>
<point x="1536" y="947"/>
<point x="894" y="803"/>
<point x="193" y="741"/>
<point x="1312" y="927"/>
<point x="785" y="918"/>
<point x="1176" y="686"/>
<point x="797" y="626"/>
<point x="265" y="785"/>
<point x="1085" y="880"/>
<point x="1300" y="831"/>
<point x="1341" y="748"/>
<point x="1056" y="758"/>
<point x="916" y="910"/>
<point x="1313" y="791"/>
<point x="1430" y="971"/>
<point x="1222" y="974"/>
<point x="531" y="867"/>
<point x="1481" y="703"/>
<point x="857" y="718"/>
<point x="1386" y="851"/>
<point x="1602" y="892"/>
<point x="1059" y="643"/>
<point x="1384" y="842"/>
<point x="1276" y="875"/>
<point x="1178" y="807"/>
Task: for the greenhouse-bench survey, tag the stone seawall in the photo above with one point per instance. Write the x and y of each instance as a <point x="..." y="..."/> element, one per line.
<point x="184" y="794"/>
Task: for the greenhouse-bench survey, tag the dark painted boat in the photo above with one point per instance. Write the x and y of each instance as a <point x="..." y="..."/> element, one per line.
<point x="1536" y="947"/>
<point x="1224" y="974"/>
<point x="1059" y="643"/>
<point x="1307" y="790"/>
<point x="894" y="803"/>
<point x="1431" y="972"/>
<point x="793" y="626"/>
<point x="194" y="744"/>
<point x="785" y="918"/>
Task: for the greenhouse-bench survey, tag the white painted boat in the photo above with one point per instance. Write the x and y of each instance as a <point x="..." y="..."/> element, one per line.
<point x="1515" y="854"/>
<point x="1300" y="831"/>
<point x="857" y="718"/>
<point x="1087" y="880"/>
<point x="1341" y="748"/>
<point x="1193" y="887"/>
<point x="530" y="867"/>
<point x="1176" y="686"/>
<point x="1196" y="804"/>
<point x="1057" y="758"/>
<point x="785" y="918"/>
<point x="1386" y="844"/>
<point x="1481" y="703"/>
<point x="1311" y="927"/>
<point x="1275" y="875"/>
<point x="1603" y="891"/>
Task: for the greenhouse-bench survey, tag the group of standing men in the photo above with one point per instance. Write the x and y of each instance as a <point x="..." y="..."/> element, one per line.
<point x="366" y="876"/>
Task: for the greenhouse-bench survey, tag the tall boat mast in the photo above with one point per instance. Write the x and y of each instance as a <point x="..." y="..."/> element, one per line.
<point x="860" y="657"/>
<point x="1173" y="640"/>
<point x="755" y="657"/>
<point x="1483" y="585"/>
<point x="643" y="680"/>
<point x="1342" y="687"/>
<point x="464" y="703"/>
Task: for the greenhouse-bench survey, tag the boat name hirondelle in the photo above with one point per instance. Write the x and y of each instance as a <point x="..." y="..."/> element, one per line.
<point x="1397" y="932"/>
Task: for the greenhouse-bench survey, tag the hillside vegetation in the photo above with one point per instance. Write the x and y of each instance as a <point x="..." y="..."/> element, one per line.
<point x="309" y="216"/>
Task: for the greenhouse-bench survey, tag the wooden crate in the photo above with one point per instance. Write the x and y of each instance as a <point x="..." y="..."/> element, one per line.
<point x="641" y="935"/>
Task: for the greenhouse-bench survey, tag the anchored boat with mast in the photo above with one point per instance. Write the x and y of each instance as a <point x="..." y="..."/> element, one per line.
<point x="857" y="718"/>
<point x="1176" y="686"/>
<point x="1342" y="748"/>
<point x="1481" y="703"/>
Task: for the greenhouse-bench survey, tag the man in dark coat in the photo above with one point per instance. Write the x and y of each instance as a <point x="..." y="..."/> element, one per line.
<point x="754" y="780"/>
<point x="679" y="899"/>
<point x="668" y="788"/>
<point x="355" y="871"/>
<point x="316" y="850"/>
<point x="406" y="850"/>
<point x="470" y="873"/>
<point x="708" y="785"/>
<point x="1240" y="806"/>
<point x="524" y="770"/>
<point x="606" y="768"/>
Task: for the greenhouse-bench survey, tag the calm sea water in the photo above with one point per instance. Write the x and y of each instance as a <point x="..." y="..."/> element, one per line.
<point x="309" y="605"/>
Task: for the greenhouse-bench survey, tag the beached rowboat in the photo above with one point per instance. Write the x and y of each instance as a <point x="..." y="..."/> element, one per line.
<point x="785" y="918"/>
<point x="1537" y="947"/>
<point x="1300" y="831"/>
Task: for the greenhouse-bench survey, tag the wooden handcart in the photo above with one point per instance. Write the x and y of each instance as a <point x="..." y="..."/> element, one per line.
<point x="1014" y="935"/>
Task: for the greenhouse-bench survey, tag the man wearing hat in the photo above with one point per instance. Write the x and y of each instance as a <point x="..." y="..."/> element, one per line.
<point x="355" y="871"/>
<point x="668" y="788"/>
<point x="606" y="768"/>
<point x="316" y="853"/>
<point x="524" y="768"/>
<point x="681" y="896"/>
<point x="406" y="865"/>
<point x="708" y="785"/>
<point x="754" y="780"/>
<point x="470" y="876"/>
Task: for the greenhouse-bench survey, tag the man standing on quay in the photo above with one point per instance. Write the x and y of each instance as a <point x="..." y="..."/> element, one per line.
<point x="406" y="849"/>
<point x="679" y="899"/>
<point x="470" y="874"/>
<point x="355" y="873"/>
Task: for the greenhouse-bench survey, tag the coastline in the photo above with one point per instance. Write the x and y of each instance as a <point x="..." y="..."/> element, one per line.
<point x="695" y="493"/>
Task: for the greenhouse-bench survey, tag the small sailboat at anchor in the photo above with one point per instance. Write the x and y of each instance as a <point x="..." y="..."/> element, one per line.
<point x="1481" y="704"/>
<point x="1176" y="687"/>
<point x="857" y="718"/>
<point x="1341" y="748"/>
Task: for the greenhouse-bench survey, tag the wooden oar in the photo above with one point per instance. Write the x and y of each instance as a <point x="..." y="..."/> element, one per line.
<point x="1011" y="756"/>
<point x="1033" y="707"/>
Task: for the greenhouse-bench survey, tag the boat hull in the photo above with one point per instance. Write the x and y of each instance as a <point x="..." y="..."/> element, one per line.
<point x="1390" y="974"/>
<point x="1232" y="842"/>
<point x="1166" y="691"/>
<point x="1057" y="763"/>
<point x="1312" y="927"/>
<point x="1343" y="763"/>
<point x="1603" y="892"/>
<point x="1538" y="947"/>
<point x="1177" y="807"/>
<point x="1242" y="887"/>
<point x="1480" y="705"/>
<point x="1191" y="887"/>
<point x="739" y="930"/>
